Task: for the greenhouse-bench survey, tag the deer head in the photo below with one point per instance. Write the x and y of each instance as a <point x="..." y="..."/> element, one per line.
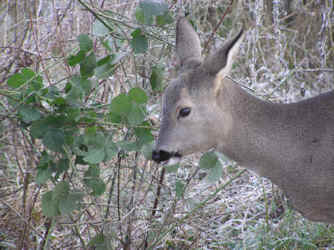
<point x="190" y="105"/>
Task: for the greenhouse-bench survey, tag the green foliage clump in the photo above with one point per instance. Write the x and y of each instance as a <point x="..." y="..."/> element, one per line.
<point x="70" y="126"/>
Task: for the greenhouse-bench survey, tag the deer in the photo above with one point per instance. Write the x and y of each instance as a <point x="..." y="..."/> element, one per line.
<point x="291" y="144"/>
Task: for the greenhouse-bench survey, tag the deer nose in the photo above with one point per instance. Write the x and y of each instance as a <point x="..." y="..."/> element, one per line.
<point x="161" y="155"/>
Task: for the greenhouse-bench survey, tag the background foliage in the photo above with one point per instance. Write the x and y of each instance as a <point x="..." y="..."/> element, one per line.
<point x="80" y="87"/>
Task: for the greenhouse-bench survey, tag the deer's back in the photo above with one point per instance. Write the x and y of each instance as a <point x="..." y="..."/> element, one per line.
<point x="301" y="158"/>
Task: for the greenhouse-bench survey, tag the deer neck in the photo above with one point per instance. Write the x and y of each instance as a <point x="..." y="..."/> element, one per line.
<point x="248" y="128"/>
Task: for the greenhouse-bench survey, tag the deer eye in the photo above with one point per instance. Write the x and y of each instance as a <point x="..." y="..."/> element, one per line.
<point x="184" y="112"/>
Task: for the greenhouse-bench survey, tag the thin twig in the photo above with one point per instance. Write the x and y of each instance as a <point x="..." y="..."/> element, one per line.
<point x="228" y="9"/>
<point x="162" y="175"/>
<point x="200" y="205"/>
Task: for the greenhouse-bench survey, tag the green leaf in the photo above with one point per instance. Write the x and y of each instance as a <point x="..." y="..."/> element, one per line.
<point x="73" y="113"/>
<point x="45" y="158"/>
<point x="111" y="149"/>
<point x="179" y="189"/>
<point x="70" y="203"/>
<point x="141" y="18"/>
<point x="139" y="42"/>
<point x="208" y="160"/>
<point x="63" y="199"/>
<point x="16" y="80"/>
<point x="49" y="205"/>
<point x="60" y="200"/>
<point x="44" y="173"/>
<point x="51" y="92"/>
<point x="29" y="114"/>
<point x="144" y="134"/>
<point x="76" y="59"/>
<point x="214" y="173"/>
<point x="54" y="139"/>
<point x="78" y="87"/>
<point x="105" y="60"/>
<point x="156" y="78"/>
<point x="74" y="95"/>
<point x="26" y="76"/>
<point x="92" y="171"/>
<point x="105" y="67"/>
<point x="164" y="19"/>
<point x="114" y="118"/>
<point x="138" y="95"/>
<point x="36" y="84"/>
<point x="95" y="156"/>
<point x="88" y="65"/>
<point x="62" y="166"/>
<point x="147" y="150"/>
<point x="71" y="133"/>
<point x="91" y="131"/>
<point x="85" y="43"/>
<point x="40" y="127"/>
<point x="84" y="84"/>
<point x="19" y="79"/>
<point x="59" y="101"/>
<point x="94" y="140"/>
<point x="172" y="168"/>
<point x="128" y="146"/>
<point x="61" y="191"/>
<point x="97" y="185"/>
<point x="136" y="115"/>
<point x="107" y="43"/>
<point x="121" y="105"/>
<point x="153" y="7"/>
<point x="104" y="71"/>
<point x="99" y="29"/>
<point x="93" y="181"/>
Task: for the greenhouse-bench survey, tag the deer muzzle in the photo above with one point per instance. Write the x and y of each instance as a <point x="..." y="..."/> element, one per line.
<point x="161" y="155"/>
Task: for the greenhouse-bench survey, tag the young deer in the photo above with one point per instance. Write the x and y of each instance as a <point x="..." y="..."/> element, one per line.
<point x="291" y="144"/>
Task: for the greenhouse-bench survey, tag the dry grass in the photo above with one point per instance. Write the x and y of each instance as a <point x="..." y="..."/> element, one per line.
<point x="286" y="56"/>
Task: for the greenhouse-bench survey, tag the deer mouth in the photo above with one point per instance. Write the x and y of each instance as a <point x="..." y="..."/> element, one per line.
<point x="163" y="156"/>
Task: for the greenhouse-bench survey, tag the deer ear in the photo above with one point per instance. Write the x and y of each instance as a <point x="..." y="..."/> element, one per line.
<point x="188" y="45"/>
<point x="220" y="62"/>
